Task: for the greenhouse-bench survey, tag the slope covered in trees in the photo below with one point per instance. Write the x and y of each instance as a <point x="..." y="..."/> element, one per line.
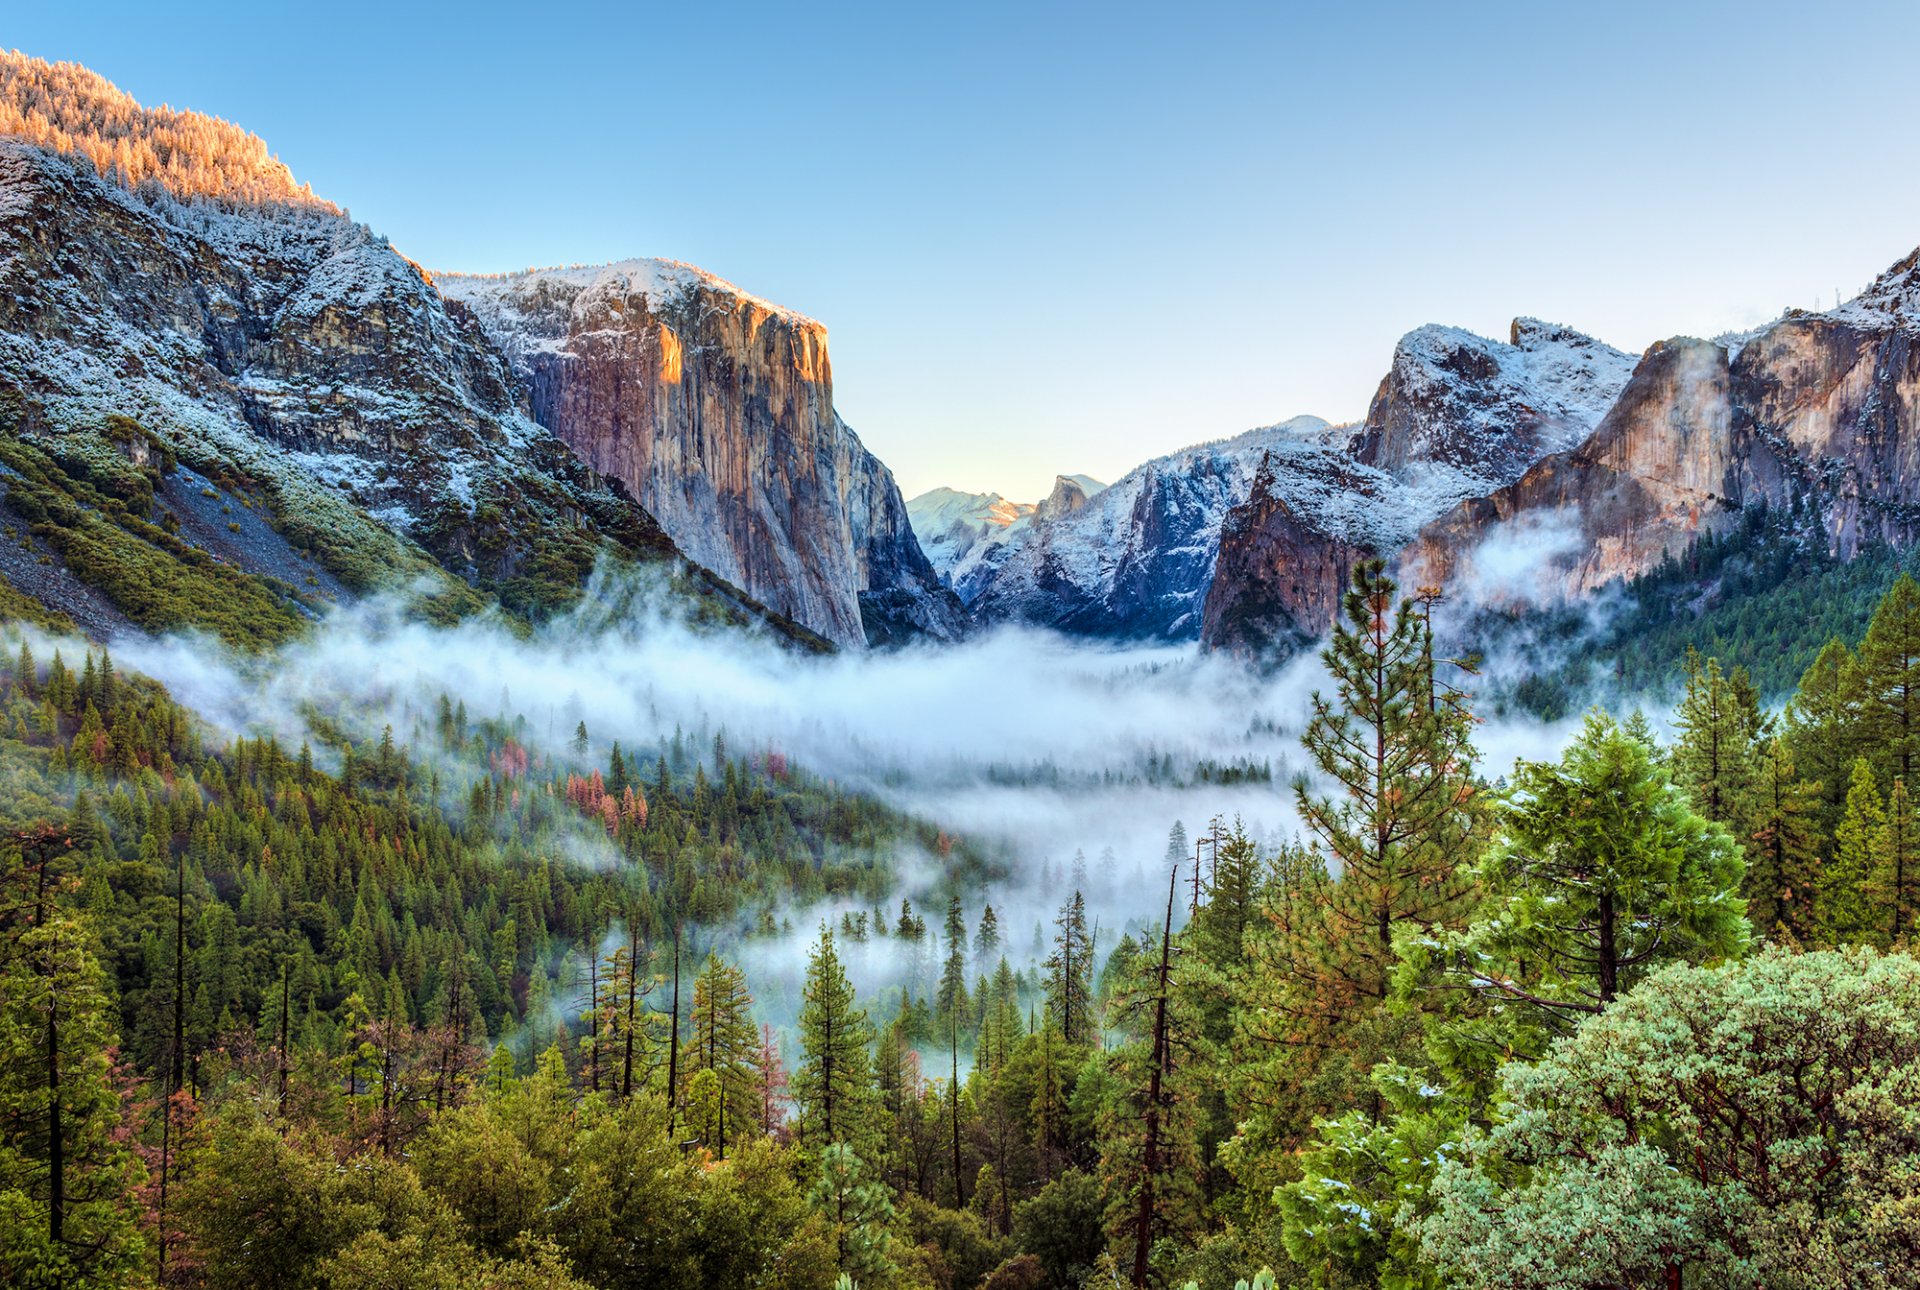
<point x="431" y="1009"/>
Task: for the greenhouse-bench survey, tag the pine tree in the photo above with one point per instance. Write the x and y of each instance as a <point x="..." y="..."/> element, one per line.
<point x="1823" y="727"/>
<point x="1894" y="884"/>
<point x="1602" y="871"/>
<point x="1782" y="855"/>
<point x="66" y="1175"/>
<point x="832" y="1087"/>
<point x="951" y="1000"/>
<point x="726" y="1044"/>
<point x="1718" y="721"/>
<point x="1396" y="742"/>
<point x="1844" y="912"/>
<point x="1890" y="682"/>
<point x="986" y="941"/>
<point x="1070" y="971"/>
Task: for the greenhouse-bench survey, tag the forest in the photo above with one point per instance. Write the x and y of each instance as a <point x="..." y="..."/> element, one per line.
<point x="435" y="1009"/>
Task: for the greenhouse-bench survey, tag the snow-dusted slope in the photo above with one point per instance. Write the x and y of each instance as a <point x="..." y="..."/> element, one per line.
<point x="1136" y="559"/>
<point x="967" y="535"/>
<point x="1457" y="404"/>
<point x="1457" y="416"/>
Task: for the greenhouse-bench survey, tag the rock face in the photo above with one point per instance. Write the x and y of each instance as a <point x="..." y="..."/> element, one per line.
<point x="715" y="409"/>
<point x="1135" y="560"/>
<point x="1279" y="577"/>
<point x="1573" y="476"/>
<point x="1456" y="402"/>
<point x="1814" y="416"/>
<point x="1663" y="466"/>
<point x="285" y="344"/>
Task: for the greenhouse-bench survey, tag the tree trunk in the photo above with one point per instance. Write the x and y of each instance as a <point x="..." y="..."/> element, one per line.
<point x="673" y="1039"/>
<point x="1143" y="1222"/>
<point x="1609" y="951"/>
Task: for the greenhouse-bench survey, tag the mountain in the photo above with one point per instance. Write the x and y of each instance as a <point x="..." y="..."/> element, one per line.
<point x="1456" y="417"/>
<point x="1812" y="417"/>
<point x="228" y="404"/>
<point x="1575" y="477"/>
<point x="1134" y="560"/>
<point x="715" y="408"/>
<point x="967" y="535"/>
<point x="1460" y="404"/>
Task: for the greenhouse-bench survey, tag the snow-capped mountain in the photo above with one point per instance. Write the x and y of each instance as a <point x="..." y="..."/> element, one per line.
<point x="1453" y="402"/>
<point x="967" y="535"/>
<point x="1813" y="416"/>
<point x="162" y="268"/>
<point x="1135" y="559"/>
<point x="1456" y="417"/>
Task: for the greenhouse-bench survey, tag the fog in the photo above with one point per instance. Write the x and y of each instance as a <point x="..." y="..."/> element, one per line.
<point x="1038" y="748"/>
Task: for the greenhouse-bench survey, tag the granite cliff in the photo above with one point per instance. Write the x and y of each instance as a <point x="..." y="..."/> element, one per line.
<point x="715" y="408"/>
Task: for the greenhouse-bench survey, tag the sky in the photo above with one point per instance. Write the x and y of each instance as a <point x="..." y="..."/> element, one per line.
<point x="1055" y="238"/>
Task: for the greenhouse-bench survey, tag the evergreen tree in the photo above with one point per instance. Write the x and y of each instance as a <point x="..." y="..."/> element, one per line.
<point x="67" y="1177"/>
<point x="1395" y="741"/>
<point x="1844" y="909"/>
<point x="1601" y="872"/>
<point x="986" y="941"/>
<point x="1894" y="884"/>
<point x="1070" y="971"/>
<point x="1782" y="855"/>
<point x="1718" y="721"/>
<point x="832" y="1086"/>
<point x="726" y="1044"/>
<point x="1823" y="727"/>
<point x="951" y="1000"/>
<point x="1889" y="668"/>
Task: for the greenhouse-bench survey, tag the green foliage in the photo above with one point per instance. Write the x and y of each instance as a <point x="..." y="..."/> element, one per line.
<point x="96" y="519"/>
<point x="1353" y="1218"/>
<point x="1744" y="1125"/>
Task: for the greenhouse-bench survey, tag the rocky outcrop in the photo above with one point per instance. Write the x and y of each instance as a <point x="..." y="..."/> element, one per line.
<point x="1137" y="559"/>
<point x="1456" y="402"/>
<point x="1813" y="416"/>
<point x="968" y="536"/>
<point x="1279" y="578"/>
<point x="715" y="409"/>
<point x="1664" y="466"/>
<point x="285" y="352"/>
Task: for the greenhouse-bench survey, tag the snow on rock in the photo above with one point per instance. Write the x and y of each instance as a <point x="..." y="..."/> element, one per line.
<point x="967" y="535"/>
<point x="715" y="409"/>
<point x="1484" y="411"/>
<point x="1136" y="559"/>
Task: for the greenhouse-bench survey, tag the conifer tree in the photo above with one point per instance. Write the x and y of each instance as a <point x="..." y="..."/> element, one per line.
<point x="1396" y="743"/>
<point x="1894" y="884"/>
<point x="1602" y="871"/>
<point x="1823" y="728"/>
<point x="1718" y="721"/>
<point x="951" y="1000"/>
<point x="726" y="1044"/>
<point x="1782" y="855"/>
<point x="832" y="1086"/>
<point x="1844" y="911"/>
<point x="1070" y="971"/>
<point x="1889" y="664"/>
<point x="986" y="941"/>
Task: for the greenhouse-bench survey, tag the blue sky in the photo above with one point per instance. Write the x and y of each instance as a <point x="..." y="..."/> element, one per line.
<point x="1062" y="237"/>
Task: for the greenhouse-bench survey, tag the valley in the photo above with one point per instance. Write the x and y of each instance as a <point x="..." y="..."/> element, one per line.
<point x="499" y="787"/>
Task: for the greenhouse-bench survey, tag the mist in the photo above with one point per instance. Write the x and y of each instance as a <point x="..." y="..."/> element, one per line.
<point x="1070" y="761"/>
